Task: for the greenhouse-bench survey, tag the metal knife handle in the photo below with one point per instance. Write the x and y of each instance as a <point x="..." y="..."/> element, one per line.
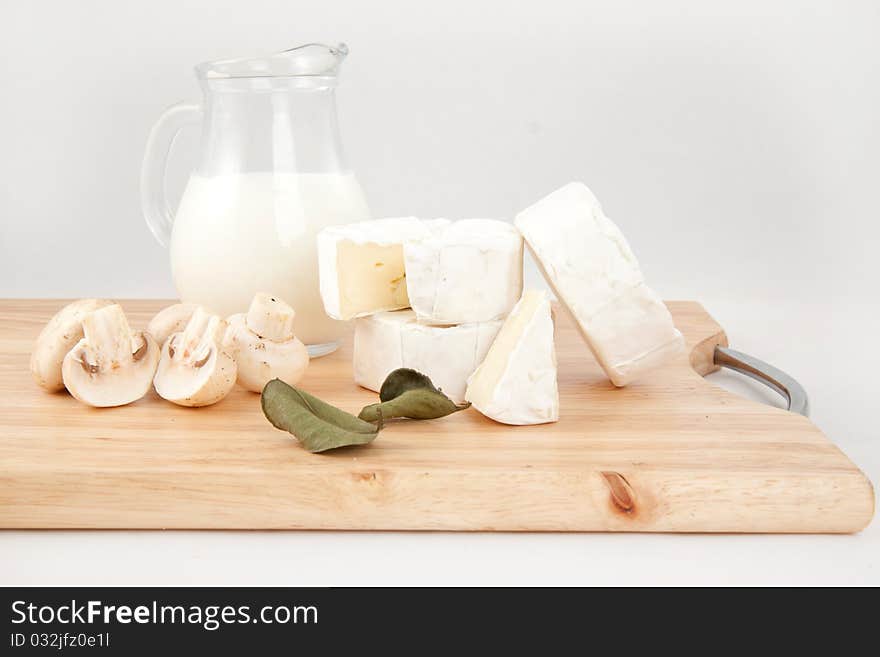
<point x="770" y="376"/>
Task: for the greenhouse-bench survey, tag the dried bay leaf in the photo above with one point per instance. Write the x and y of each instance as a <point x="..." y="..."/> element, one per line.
<point x="403" y="379"/>
<point x="410" y="394"/>
<point x="317" y="425"/>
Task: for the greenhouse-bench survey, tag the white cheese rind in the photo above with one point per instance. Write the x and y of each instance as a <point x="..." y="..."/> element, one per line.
<point x="386" y="235"/>
<point x="589" y="264"/>
<point x="387" y="341"/>
<point x="516" y="382"/>
<point x="465" y="271"/>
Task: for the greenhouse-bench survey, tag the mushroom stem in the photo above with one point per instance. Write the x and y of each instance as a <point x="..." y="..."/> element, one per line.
<point x="270" y="318"/>
<point x="109" y="341"/>
<point x="172" y="319"/>
<point x="202" y="332"/>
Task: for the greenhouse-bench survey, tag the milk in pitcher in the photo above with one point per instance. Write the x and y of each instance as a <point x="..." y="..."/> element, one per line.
<point x="238" y="234"/>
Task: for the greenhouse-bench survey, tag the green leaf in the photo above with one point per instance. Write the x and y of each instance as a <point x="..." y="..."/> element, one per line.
<point x="411" y="394"/>
<point x="317" y="425"/>
<point x="403" y="379"/>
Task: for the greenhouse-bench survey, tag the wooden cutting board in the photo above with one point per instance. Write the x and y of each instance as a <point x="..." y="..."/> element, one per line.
<point x="673" y="453"/>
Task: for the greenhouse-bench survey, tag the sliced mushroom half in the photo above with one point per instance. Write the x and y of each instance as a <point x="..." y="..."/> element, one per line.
<point x="195" y="369"/>
<point x="110" y="365"/>
<point x="264" y="345"/>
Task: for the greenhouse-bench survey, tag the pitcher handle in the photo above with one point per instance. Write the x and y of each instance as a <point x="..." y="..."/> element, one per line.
<point x="154" y="203"/>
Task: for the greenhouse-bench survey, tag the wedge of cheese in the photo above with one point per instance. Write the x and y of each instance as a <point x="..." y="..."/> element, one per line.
<point x="589" y="264"/>
<point x="516" y="382"/>
<point x="465" y="271"/>
<point x="448" y="354"/>
<point x="361" y="265"/>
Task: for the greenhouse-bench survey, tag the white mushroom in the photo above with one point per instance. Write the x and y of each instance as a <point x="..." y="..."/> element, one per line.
<point x="195" y="369"/>
<point x="58" y="337"/>
<point x="264" y="345"/>
<point x="172" y="319"/>
<point x="110" y="366"/>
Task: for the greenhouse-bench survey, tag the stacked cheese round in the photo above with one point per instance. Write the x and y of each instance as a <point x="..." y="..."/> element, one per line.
<point x="464" y="271"/>
<point x="387" y="341"/>
<point x="461" y="279"/>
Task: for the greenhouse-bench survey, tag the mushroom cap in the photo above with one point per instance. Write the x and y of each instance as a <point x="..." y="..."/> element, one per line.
<point x="260" y="360"/>
<point x="171" y="319"/>
<point x="114" y="386"/>
<point x="59" y="336"/>
<point x="194" y="368"/>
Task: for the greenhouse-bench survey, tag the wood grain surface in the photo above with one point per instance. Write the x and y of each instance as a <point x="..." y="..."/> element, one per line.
<point x="672" y="453"/>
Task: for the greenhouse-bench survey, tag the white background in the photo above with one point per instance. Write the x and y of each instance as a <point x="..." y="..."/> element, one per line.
<point x="736" y="143"/>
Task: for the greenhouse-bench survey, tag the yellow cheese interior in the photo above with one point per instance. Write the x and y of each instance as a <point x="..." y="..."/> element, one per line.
<point x="491" y="370"/>
<point x="371" y="278"/>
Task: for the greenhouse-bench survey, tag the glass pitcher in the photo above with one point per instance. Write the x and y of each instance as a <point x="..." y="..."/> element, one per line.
<point x="270" y="175"/>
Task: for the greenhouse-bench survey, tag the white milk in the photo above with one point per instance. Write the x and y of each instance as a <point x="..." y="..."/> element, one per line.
<point x="238" y="234"/>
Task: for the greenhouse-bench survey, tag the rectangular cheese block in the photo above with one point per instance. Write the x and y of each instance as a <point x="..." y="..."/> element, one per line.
<point x="465" y="271"/>
<point x="516" y="382"/>
<point x="589" y="264"/>
<point x="361" y="266"/>
<point x="386" y="341"/>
